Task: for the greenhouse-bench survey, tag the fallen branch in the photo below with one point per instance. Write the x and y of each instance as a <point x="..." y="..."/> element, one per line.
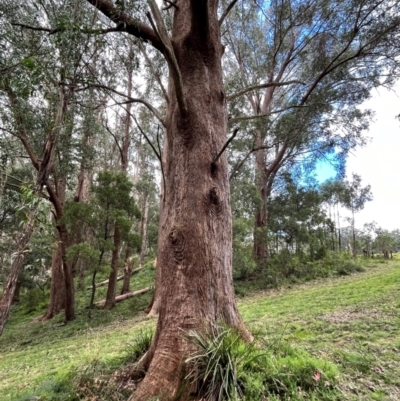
<point x="119" y="278"/>
<point x="120" y="298"/>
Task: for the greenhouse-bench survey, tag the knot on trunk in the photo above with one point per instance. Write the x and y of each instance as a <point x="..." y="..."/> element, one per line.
<point x="213" y="201"/>
<point x="177" y="241"/>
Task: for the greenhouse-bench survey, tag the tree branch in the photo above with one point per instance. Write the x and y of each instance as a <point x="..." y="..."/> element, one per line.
<point x="226" y="12"/>
<point x="153" y="70"/>
<point x="262" y="86"/>
<point x="169" y="55"/>
<point x="115" y="138"/>
<point x="247" y="118"/>
<point x="239" y="166"/>
<point x="274" y="165"/>
<point x="118" y="28"/>
<point x="146" y="137"/>
<point x="130" y="25"/>
<point x="225" y="146"/>
<point x="130" y="100"/>
<point x="161" y="163"/>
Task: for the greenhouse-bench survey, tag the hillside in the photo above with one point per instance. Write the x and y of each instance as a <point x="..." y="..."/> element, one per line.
<point x="350" y="323"/>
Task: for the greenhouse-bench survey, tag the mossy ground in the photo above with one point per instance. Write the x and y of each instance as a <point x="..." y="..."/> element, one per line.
<point x="351" y="322"/>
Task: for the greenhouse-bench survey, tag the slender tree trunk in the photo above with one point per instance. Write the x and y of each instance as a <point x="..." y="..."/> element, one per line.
<point x="126" y="141"/>
<point x="127" y="272"/>
<point x="354" y="235"/>
<point x="16" y="267"/>
<point x="143" y="228"/>
<point x="260" y="219"/>
<point x="112" y="281"/>
<point x="68" y="277"/>
<point x="338" y="225"/>
<point x="195" y="243"/>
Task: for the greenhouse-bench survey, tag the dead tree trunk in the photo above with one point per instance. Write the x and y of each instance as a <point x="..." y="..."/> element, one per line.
<point x="128" y="295"/>
<point x="16" y="266"/>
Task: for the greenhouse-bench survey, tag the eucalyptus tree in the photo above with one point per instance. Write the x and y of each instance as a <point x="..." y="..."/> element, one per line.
<point x="41" y="108"/>
<point x="110" y="208"/>
<point x="297" y="219"/>
<point x="354" y="198"/>
<point x="384" y="242"/>
<point x="195" y="227"/>
<point x="299" y="70"/>
<point x="195" y="245"/>
<point x="333" y="193"/>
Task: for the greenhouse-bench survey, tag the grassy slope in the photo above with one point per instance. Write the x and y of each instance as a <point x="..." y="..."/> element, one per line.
<point x="352" y="321"/>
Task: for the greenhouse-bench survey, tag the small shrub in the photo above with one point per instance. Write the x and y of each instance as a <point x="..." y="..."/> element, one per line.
<point x="348" y="268"/>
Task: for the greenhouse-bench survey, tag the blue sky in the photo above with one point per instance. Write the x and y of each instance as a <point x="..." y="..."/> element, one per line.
<point x="324" y="171"/>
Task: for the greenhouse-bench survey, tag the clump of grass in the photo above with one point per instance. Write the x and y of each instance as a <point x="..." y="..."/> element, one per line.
<point x="225" y="368"/>
<point x="141" y="344"/>
<point x="214" y="367"/>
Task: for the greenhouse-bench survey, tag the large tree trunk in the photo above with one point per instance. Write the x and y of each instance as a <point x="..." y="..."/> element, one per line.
<point x="16" y="267"/>
<point x="195" y="243"/>
<point x="112" y="280"/>
<point x="57" y="287"/>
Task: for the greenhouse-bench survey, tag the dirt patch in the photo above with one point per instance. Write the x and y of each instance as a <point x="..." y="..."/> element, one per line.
<point x="347" y="316"/>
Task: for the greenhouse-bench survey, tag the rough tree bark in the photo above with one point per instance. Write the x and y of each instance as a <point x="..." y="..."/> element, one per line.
<point x="195" y="243"/>
<point x="16" y="266"/>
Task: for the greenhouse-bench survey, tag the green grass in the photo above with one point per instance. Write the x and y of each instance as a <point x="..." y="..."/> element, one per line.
<point x="351" y="322"/>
